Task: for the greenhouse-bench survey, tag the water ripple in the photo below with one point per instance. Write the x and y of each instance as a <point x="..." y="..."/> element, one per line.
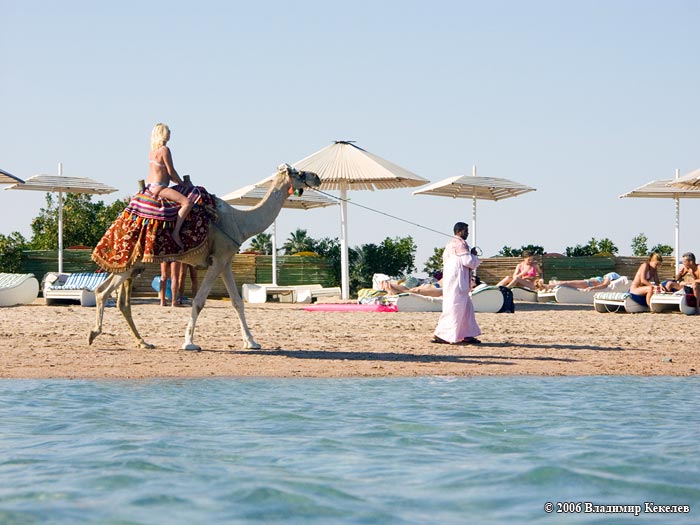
<point x="413" y="451"/>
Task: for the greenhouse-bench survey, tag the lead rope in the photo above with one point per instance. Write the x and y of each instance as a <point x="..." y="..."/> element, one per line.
<point x="340" y="199"/>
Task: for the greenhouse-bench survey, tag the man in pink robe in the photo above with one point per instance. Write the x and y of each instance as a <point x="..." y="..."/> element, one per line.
<point x="457" y="324"/>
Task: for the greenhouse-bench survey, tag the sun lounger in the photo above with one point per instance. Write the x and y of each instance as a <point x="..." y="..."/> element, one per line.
<point x="524" y="294"/>
<point x="78" y="287"/>
<point x="300" y="293"/>
<point x="18" y="288"/>
<point x="413" y="302"/>
<point x="310" y="295"/>
<point x="487" y="299"/>
<point x="677" y="301"/>
<point x="619" y="302"/>
<point x="567" y="294"/>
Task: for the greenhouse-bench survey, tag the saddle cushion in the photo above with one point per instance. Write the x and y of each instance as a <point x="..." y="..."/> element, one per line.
<point x="143" y="231"/>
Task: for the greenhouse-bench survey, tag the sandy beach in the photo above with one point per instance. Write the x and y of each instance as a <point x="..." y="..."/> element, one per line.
<point x="41" y="341"/>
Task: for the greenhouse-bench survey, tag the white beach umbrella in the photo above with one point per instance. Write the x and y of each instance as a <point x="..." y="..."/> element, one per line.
<point x="59" y="184"/>
<point x="344" y="166"/>
<point x="669" y="189"/>
<point x="475" y="188"/>
<point x="689" y="181"/>
<point x="252" y="195"/>
<point x="9" y="178"/>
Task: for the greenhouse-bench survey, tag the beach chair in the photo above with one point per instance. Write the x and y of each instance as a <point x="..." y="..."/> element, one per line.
<point x="299" y="293"/>
<point x="487" y="299"/>
<point x="79" y="287"/>
<point x="524" y="294"/>
<point x="413" y="302"/>
<point x="18" y="288"/>
<point x="677" y="301"/>
<point x="613" y="302"/>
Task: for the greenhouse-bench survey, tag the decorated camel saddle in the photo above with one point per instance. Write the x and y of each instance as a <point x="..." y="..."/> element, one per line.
<point x="143" y="231"/>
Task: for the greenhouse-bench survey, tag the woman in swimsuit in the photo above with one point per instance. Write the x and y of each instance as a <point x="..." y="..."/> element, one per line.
<point x="594" y="283"/>
<point x="646" y="281"/>
<point x="161" y="172"/>
<point x="525" y="274"/>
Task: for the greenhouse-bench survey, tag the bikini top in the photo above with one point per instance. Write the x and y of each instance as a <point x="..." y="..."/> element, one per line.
<point x="155" y="162"/>
<point x="532" y="272"/>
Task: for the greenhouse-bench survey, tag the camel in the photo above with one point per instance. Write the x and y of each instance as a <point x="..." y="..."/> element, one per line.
<point x="226" y="235"/>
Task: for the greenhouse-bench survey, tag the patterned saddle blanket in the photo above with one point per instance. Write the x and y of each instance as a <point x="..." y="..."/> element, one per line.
<point x="143" y="231"/>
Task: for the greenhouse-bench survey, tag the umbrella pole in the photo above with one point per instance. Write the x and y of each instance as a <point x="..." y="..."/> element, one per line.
<point x="678" y="227"/>
<point x="274" y="252"/>
<point x="474" y="211"/>
<point x="60" y="222"/>
<point x="344" y="262"/>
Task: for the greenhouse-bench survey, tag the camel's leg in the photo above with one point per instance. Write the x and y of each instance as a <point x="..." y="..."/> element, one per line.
<point x="102" y="293"/>
<point x="124" y="303"/>
<point x="198" y="302"/>
<point x="116" y="281"/>
<point x="237" y="302"/>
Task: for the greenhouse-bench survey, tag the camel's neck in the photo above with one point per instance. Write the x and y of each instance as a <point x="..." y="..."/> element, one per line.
<point x="259" y="218"/>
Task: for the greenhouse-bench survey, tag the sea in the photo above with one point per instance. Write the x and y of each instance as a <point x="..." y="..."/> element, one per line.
<point x="428" y="450"/>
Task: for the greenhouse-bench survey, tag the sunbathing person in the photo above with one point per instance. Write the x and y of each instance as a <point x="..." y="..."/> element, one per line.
<point x="646" y="280"/>
<point x="525" y="274"/>
<point x="429" y="289"/>
<point x="594" y="283"/>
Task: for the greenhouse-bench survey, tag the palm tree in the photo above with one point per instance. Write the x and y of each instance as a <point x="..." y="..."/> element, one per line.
<point x="262" y="243"/>
<point x="298" y="241"/>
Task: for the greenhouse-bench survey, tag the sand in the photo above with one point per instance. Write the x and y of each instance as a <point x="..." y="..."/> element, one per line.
<point x="39" y="341"/>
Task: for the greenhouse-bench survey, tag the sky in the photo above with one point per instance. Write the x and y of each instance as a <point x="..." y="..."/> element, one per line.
<point x="583" y="101"/>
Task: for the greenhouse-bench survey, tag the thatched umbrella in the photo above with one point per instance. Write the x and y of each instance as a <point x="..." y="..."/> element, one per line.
<point x="59" y="184"/>
<point x="344" y="166"/>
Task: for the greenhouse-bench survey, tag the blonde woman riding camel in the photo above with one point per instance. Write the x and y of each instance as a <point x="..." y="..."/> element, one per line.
<point x="161" y="172"/>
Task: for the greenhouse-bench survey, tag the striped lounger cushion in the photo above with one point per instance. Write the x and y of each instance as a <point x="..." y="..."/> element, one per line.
<point x="82" y="281"/>
<point x="603" y="301"/>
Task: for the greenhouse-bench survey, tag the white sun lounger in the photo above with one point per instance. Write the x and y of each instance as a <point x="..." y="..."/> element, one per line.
<point x="524" y="294"/>
<point x="677" y="301"/>
<point x="486" y="299"/>
<point x="413" y="302"/>
<point x="18" y="288"/>
<point x="613" y="302"/>
<point x="78" y="287"/>
<point x="299" y="293"/>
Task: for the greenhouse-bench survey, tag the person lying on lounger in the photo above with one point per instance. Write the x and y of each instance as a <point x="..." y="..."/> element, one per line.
<point x="430" y="289"/>
<point x="594" y="283"/>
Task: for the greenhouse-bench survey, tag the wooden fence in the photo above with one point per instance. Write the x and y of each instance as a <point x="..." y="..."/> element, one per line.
<point x="247" y="268"/>
<point x="566" y="268"/>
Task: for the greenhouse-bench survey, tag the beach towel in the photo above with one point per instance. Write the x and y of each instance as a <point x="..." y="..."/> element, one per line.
<point x="143" y="231"/>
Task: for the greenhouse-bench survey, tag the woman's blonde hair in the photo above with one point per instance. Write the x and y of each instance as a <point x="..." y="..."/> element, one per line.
<point x="159" y="135"/>
<point x="655" y="257"/>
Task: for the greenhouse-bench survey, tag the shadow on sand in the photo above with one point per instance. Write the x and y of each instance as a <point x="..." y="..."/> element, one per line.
<point x="399" y="357"/>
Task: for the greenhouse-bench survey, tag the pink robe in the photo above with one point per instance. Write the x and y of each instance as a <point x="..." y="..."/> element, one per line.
<point x="457" y="320"/>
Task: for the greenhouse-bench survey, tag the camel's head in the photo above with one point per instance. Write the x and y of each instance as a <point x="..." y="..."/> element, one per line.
<point x="300" y="180"/>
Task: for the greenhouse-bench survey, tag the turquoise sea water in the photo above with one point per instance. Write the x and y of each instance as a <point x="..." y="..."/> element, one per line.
<point x="349" y="451"/>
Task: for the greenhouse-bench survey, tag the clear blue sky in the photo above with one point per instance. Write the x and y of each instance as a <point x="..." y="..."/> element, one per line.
<point x="582" y="100"/>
